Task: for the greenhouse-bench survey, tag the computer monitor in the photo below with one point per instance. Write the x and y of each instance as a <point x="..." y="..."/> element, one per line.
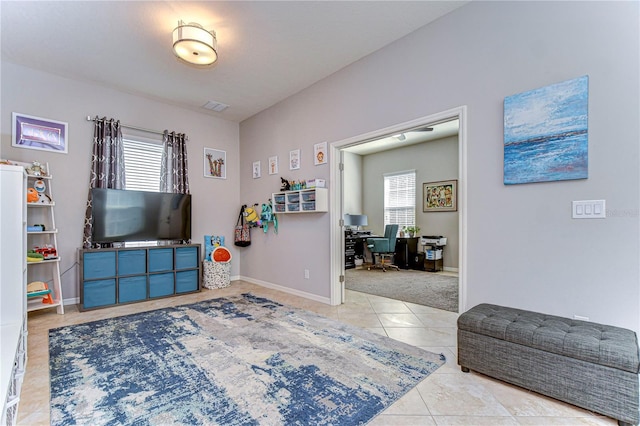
<point x="356" y="220"/>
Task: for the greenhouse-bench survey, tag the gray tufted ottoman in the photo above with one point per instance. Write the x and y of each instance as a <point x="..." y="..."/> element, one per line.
<point x="586" y="364"/>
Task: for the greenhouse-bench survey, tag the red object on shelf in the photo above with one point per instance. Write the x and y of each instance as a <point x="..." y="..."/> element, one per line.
<point x="48" y="252"/>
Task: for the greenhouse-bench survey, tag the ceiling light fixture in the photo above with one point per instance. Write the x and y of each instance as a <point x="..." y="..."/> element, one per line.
<point x="194" y="44"/>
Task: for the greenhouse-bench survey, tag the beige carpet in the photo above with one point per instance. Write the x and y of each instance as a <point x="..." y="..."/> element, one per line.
<point x="424" y="288"/>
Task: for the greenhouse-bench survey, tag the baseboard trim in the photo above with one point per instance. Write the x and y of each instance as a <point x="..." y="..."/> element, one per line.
<point x="450" y="269"/>
<point x="315" y="297"/>
<point x="326" y="300"/>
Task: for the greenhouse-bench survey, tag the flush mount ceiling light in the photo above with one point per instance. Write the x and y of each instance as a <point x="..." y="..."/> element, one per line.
<point x="194" y="44"/>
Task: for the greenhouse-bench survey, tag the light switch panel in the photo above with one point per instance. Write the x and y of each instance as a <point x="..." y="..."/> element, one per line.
<point x="588" y="209"/>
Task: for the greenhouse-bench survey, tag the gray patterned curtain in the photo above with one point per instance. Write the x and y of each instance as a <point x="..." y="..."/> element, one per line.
<point x="174" y="175"/>
<point x="107" y="165"/>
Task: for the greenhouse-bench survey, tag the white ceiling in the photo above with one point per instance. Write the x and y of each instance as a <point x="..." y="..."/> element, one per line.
<point x="267" y="50"/>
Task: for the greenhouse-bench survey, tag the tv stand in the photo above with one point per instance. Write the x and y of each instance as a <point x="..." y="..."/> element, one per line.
<point x="114" y="276"/>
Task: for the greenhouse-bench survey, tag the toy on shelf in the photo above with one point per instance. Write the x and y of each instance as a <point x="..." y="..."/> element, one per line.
<point x="39" y="288"/>
<point x="36" y="196"/>
<point x="36" y="169"/>
<point x="48" y="252"/>
<point x="32" y="257"/>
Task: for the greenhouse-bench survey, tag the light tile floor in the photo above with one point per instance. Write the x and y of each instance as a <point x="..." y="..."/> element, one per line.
<point x="447" y="397"/>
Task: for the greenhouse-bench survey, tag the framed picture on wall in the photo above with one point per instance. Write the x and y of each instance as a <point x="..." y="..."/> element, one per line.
<point x="440" y="196"/>
<point x="215" y="163"/>
<point x="256" y="169"/>
<point x="273" y="165"/>
<point x="320" y="153"/>
<point x="294" y="159"/>
<point x="39" y="133"/>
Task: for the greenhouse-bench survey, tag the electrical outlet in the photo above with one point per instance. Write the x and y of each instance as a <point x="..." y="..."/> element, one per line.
<point x="306" y="274"/>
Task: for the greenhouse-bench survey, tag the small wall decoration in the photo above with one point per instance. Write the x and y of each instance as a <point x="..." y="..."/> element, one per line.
<point x="256" y="169"/>
<point x="545" y="133"/>
<point x="273" y="165"/>
<point x="294" y="159"/>
<point x="440" y="196"/>
<point x="215" y="163"/>
<point x="320" y="153"/>
<point x="39" y="133"/>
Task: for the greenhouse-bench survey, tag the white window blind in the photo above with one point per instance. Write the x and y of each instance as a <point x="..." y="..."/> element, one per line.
<point x="142" y="163"/>
<point x="400" y="198"/>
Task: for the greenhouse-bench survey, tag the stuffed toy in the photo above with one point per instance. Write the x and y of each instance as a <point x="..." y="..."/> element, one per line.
<point x="267" y="216"/>
<point x="251" y="216"/>
<point x="32" y="195"/>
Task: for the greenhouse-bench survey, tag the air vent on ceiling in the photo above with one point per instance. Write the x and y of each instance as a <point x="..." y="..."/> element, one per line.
<point x="215" y="106"/>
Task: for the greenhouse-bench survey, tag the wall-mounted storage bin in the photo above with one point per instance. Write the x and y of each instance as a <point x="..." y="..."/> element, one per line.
<point x="302" y="201"/>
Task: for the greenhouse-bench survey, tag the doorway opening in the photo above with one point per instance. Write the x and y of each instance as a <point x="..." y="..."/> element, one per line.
<point x="414" y="131"/>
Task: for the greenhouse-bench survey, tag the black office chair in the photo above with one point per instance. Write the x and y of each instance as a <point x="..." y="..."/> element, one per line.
<point x="384" y="247"/>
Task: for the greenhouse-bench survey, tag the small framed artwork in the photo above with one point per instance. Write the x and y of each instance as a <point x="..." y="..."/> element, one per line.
<point x="273" y="165"/>
<point x="320" y="153"/>
<point x="440" y="196"/>
<point x="294" y="159"/>
<point x="215" y="163"/>
<point x="39" y="133"/>
<point x="256" y="169"/>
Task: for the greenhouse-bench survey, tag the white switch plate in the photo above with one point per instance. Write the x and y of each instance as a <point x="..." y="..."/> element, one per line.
<point x="588" y="209"/>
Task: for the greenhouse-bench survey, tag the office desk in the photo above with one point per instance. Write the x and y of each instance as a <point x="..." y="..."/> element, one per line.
<point x="355" y="245"/>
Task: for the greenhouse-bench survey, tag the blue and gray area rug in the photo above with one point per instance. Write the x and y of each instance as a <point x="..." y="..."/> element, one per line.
<point x="243" y="360"/>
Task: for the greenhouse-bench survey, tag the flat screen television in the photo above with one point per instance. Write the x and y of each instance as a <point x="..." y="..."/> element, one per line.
<point x="124" y="216"/>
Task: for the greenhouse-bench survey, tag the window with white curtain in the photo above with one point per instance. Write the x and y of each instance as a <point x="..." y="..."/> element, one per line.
<point x="142" y="163"/>
<point x="400" y="198"/>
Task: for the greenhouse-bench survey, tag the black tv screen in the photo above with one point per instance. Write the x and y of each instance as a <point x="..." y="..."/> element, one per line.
<point x="123" y="215"/>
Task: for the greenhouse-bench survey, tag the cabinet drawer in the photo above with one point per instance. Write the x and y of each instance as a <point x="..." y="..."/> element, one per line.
<point x="99" y="265"/>
<point x="99" y="293"/>
<point x="186" y="281"/>
<point x="187" y="258"/>
<point x="160" y="259"/>
<point x="132" y="262"/>
<point x="131" y="289"/>
<point x="161" y="284"/>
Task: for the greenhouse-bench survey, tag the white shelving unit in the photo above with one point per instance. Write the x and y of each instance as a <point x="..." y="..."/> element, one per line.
<point x="41" y="212"/>
<point x="302" y="201"/>
<point x="13" y="289"/>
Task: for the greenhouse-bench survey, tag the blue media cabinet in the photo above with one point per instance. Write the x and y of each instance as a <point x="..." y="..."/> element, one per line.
<point x="115" y="276"/>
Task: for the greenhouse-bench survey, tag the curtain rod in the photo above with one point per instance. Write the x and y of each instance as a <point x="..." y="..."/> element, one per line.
<point x="142" y="129"/>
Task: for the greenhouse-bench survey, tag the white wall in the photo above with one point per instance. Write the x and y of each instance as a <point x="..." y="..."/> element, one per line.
<point x="524" y="250"/>
<point x="215" y="201"/>
<point x="354" y="184"/>
<point x="433" y="161"/>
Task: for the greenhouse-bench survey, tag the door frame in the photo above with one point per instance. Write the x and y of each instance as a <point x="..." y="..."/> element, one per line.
<point x="336" y="197"/>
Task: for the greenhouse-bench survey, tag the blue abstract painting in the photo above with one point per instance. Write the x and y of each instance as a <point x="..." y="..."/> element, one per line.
<point x="545" y="133"/>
